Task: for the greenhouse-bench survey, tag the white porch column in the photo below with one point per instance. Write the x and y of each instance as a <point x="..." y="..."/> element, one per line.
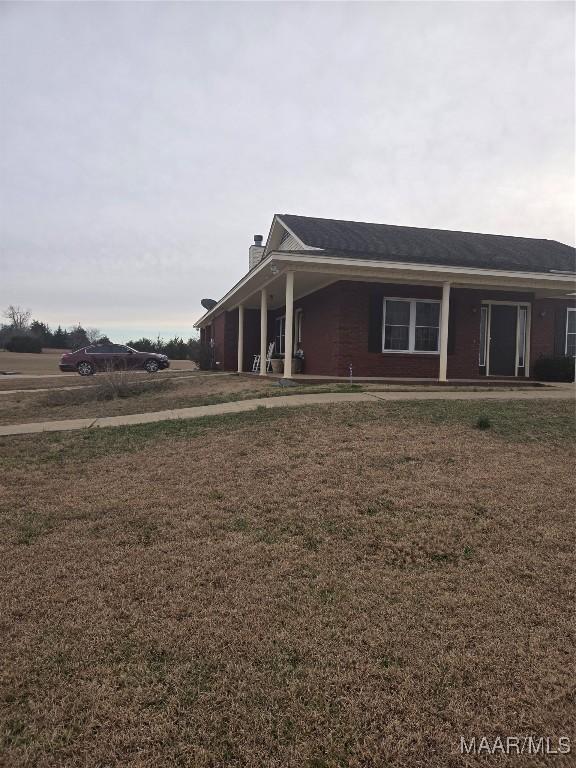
<point x="240" y="337"/>
<point x="444" y="314"/>
<point x="263" y="330"/>
<point x="289" y="325"/>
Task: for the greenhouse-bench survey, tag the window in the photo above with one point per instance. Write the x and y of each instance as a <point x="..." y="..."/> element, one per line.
<point x="280" y="335"/>
<point x="100" y="349"/>
<point x="427" y="327"/>
<point x="411" y="325"/>
<point x="570" y="347"/>
<point x="397" y="325"/>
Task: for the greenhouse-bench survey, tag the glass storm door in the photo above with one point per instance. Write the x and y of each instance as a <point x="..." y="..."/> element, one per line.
<point x="503" y="332"/>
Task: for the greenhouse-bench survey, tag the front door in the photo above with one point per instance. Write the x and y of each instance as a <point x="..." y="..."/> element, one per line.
<point x="503" y="335"/>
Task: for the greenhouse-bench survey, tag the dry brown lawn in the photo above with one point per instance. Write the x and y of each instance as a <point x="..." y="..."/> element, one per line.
<point x="30" y="363"/>
<point x="46" y="363"/>
<point x="156" y="393"/>
<point x="83" y="397"/>
<point x="345" y="587"/>
<point x="28" y="383"/>
<point x="70" y="380"/>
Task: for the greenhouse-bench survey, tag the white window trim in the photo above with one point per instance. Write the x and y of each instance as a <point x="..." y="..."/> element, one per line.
<point x="572" y="333"/>
<point x="411" y="327"/>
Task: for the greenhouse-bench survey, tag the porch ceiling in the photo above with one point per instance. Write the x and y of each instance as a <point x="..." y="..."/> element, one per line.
<point x="313" y="272"/>
<point x="304" y="283"/>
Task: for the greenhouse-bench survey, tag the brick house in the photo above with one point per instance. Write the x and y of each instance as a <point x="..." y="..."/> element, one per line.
<point x="393" y="301"/>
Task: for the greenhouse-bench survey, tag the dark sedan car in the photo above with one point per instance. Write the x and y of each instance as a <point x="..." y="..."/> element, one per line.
<point x="105" y="357"/>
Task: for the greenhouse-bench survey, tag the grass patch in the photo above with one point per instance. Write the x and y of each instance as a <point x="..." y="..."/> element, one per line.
<point x="64" y="447"/>
<point x="517" y="420"/>
<point x="351" y="585"/>
<point x="128" y="392"/>
<point x="521" y="421"/>
<point x="30" y="527"/>
<point x="104" y="391"/>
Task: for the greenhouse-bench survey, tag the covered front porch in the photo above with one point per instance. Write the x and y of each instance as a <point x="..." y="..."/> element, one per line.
<point x="380" y="322"/>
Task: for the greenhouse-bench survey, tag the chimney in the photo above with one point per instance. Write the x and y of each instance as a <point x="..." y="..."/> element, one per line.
<point x="255" y="251"/>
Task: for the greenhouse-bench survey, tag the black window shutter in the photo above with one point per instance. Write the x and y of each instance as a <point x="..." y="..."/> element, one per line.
<point x="452" y="328"/>
<point x="560" y="319"/>
<point x="375" y="312"/>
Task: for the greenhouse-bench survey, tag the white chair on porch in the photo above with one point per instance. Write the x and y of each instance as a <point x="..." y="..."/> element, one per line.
<point x="256" y="361"/>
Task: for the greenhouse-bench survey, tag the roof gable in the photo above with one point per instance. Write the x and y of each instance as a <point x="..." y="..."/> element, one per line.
<point x="387" y="242"/>
<point x="282" y="238"/>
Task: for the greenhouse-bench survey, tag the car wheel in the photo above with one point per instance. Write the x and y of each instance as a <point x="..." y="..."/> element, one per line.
<point x="85" y="369"/>
<point x="151" y="366"/>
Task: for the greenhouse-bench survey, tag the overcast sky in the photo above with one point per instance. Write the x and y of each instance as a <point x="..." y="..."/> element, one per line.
<point x="142" y="145"/>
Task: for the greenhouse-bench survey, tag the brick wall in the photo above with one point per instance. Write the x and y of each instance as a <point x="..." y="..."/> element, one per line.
<point x="225" y="335"/>
<point x="542" y="331"/>
<point x="548" y="332"/>
<point x="464" y="334"/>
<point x="230" y="361"/>
<point x="335" y="329"/>
<point x="218" y="331"/>
<point x="353" y="328"/>
<point x="321" y="312"/>
<point x="320" y="328"/>
<point x="251" y="337"/>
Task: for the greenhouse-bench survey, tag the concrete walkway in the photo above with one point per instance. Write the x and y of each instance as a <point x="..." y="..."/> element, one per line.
<point x="564" y="392"/>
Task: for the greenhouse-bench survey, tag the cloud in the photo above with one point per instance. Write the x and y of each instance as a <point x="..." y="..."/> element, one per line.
<point x="142" y="145"/>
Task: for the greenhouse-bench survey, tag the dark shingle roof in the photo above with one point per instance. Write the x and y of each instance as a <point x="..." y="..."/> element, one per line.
<point x="387" y="242"/>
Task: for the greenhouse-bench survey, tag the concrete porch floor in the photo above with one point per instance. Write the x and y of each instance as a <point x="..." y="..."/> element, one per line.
<point x="484" y="381"/>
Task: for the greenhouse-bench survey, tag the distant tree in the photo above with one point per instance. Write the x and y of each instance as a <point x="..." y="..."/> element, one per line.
<point x="61" y="338"/>
<point x="176" y="349"/>
<point x="27" y="343"/>
<point x="41" y="331"/>
<point x="193" y="349"/>
<point x="77" y="337"/>
<point x="94" y="334"/>
<point x="18" y="318"/>
<point x="200" y="353"/>
<point x="6" y="333"/>
<point x="143" y="345"/>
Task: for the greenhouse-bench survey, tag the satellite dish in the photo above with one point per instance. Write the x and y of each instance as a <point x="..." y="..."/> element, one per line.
<point x="208" y="303"/>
